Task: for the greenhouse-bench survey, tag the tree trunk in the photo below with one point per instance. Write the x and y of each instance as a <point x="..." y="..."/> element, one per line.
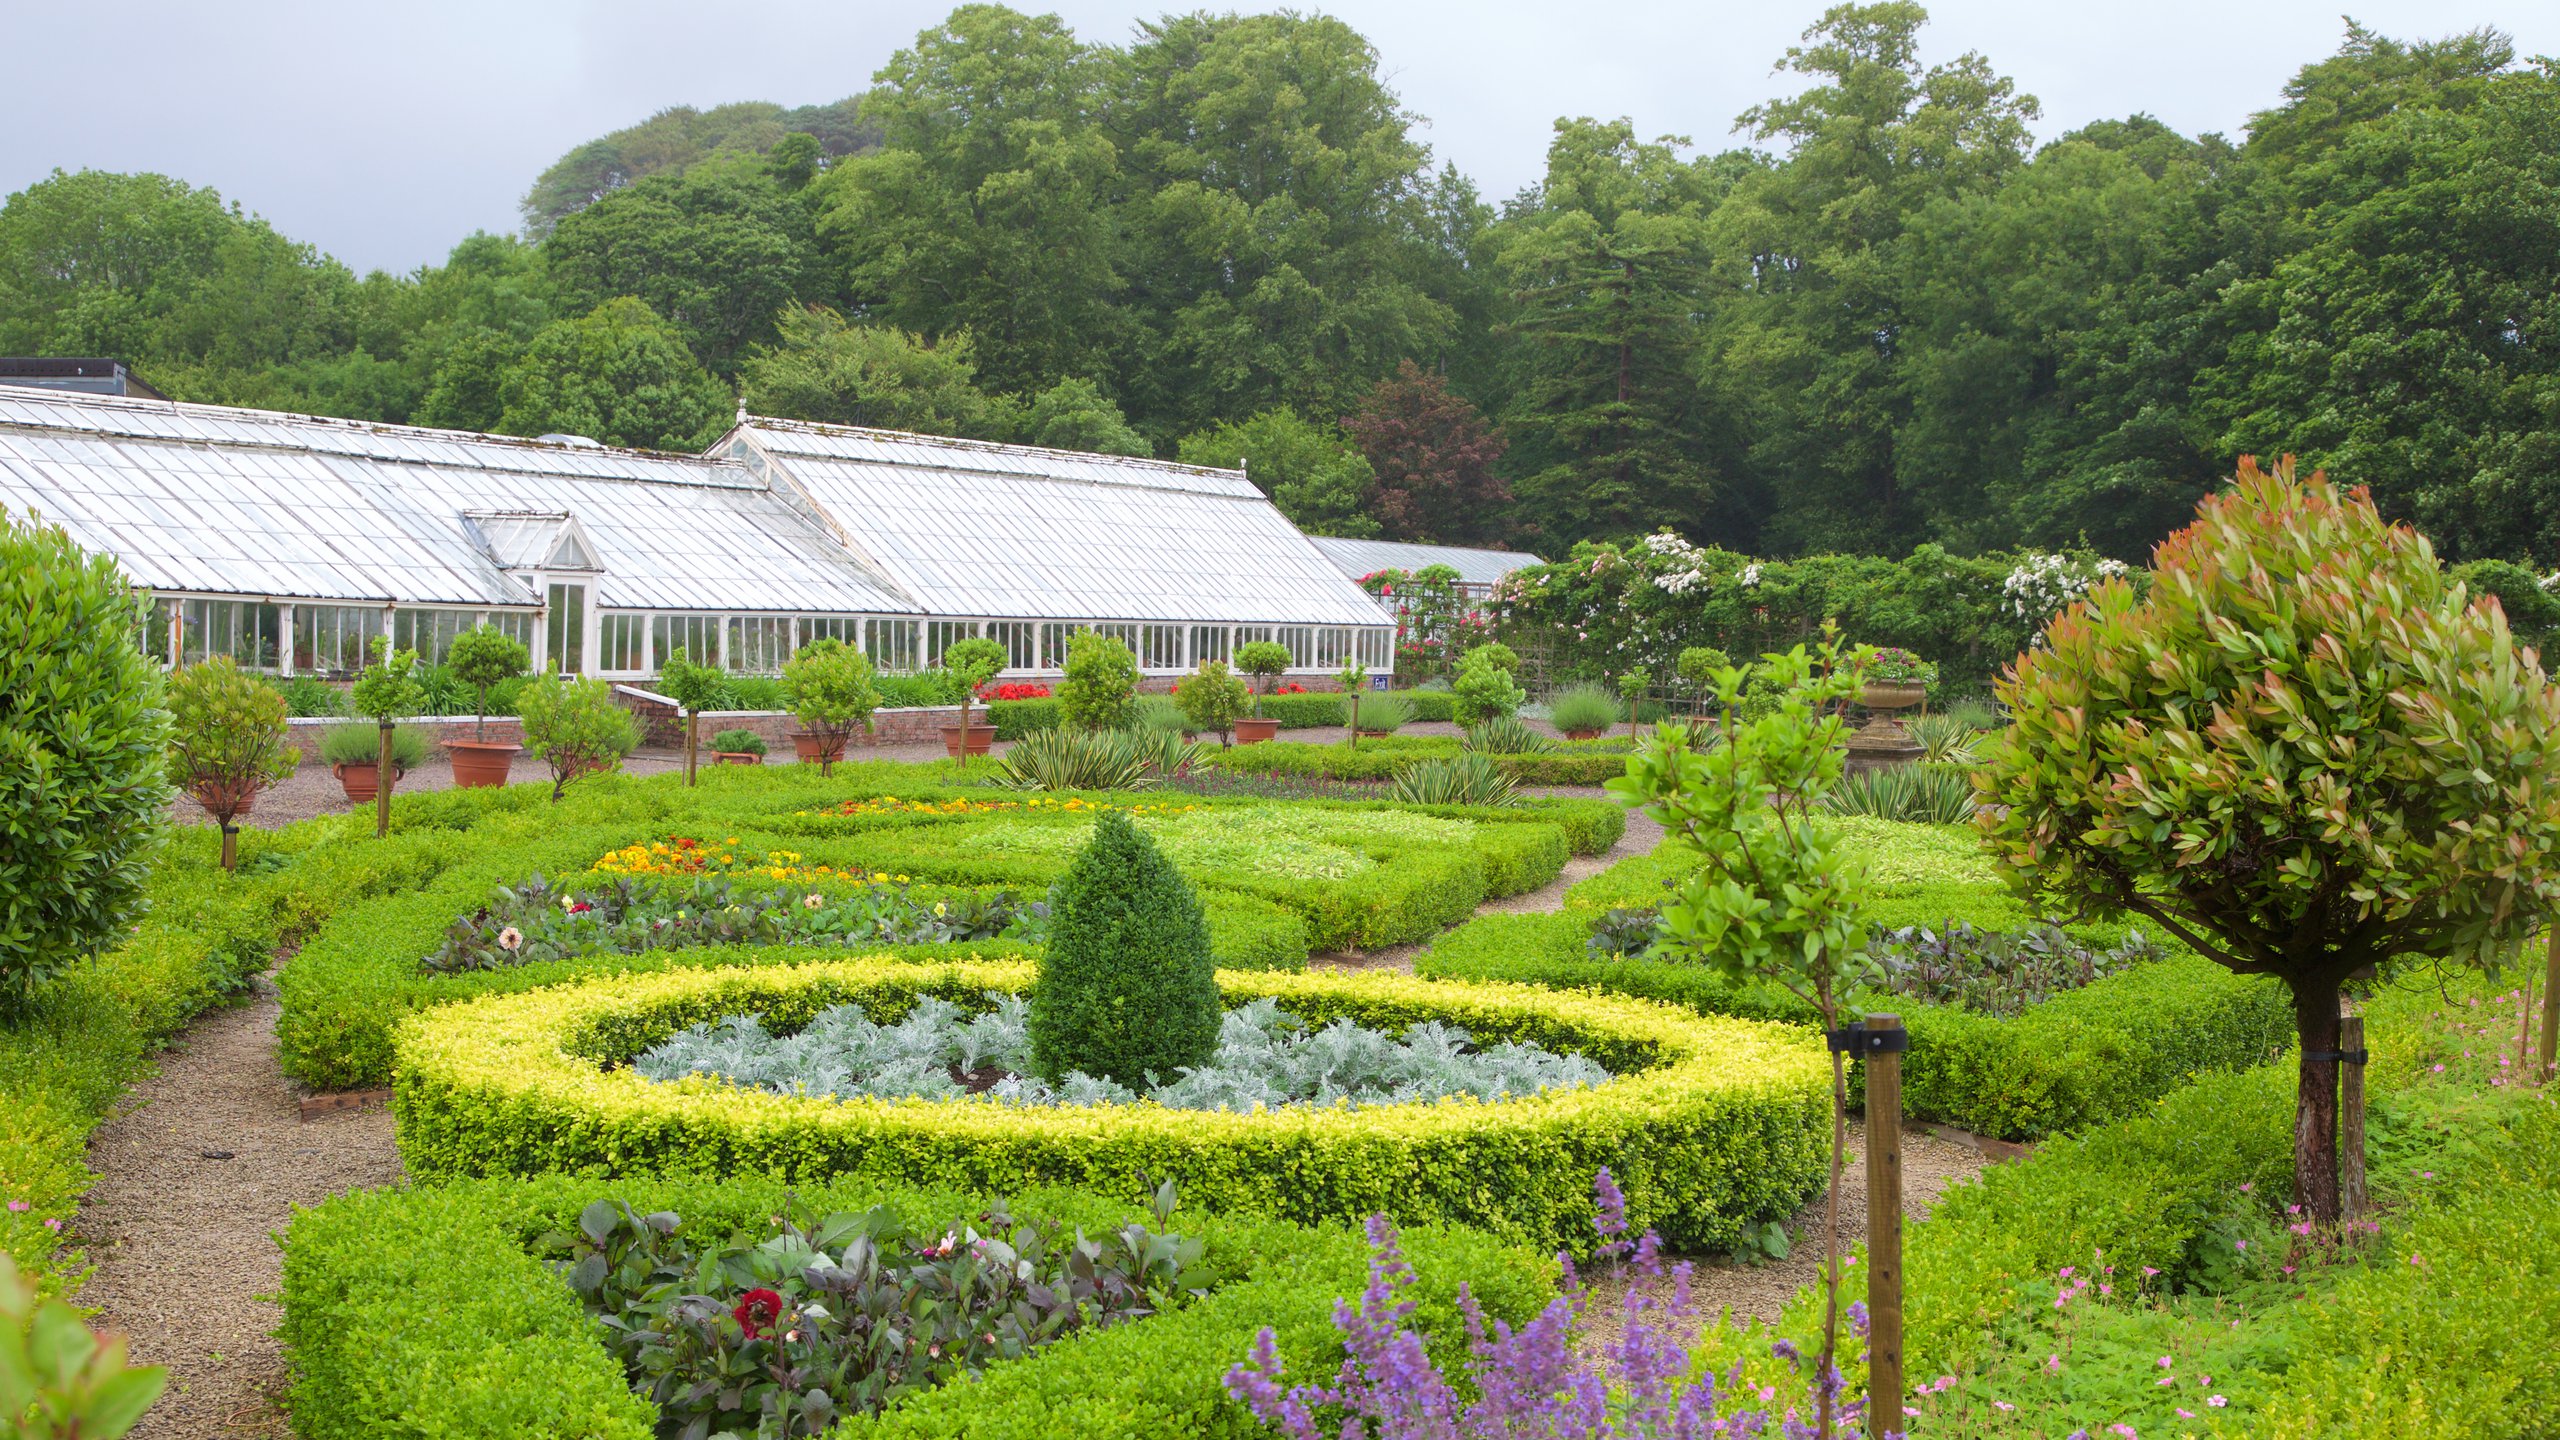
<point x="2315" y="1112"/>
<point x="688" y="746"/>
<point x="230" y="847"/>
<point x="382" y="786"/>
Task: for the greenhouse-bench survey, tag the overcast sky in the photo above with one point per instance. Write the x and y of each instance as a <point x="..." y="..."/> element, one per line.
<point x="384" y="132"/>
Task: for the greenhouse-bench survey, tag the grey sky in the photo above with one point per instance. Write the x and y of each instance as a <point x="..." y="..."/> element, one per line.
<point x="384" y="132"/>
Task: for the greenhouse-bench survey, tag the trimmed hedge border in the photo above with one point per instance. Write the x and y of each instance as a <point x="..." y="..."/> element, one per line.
<point x="2085" y="1057"/>
<point x="421" y="1312"/>
<point x="1711" y="1124"/>
<point x="347" y="990"/>
<point x="1571" y="762"/>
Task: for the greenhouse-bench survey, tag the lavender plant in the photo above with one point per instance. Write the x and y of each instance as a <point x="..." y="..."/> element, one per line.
<point x="1533" y="1381"/>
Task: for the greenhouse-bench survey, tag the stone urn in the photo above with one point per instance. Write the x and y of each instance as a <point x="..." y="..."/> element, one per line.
<point x="1883" y="737"/>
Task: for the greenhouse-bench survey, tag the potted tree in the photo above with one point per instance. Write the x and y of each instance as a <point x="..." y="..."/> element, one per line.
<point x="1264" y="660"/>
<point x="970" y="663"/>
<point x="737" y="747"/>
<point x="352" y="753"/>
<point x="828" y="685"/>
<point x="1211" y="698"/>
<point x="575" y="728"/>
<point x="226" y="742"/>
<point x="481" y="657"/>
<point x="387" y="690"/>
<point x="694" y="688"/>
<point x="1101" y="681"/>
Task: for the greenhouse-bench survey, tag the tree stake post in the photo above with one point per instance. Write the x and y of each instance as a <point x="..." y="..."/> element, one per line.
<point x="1885" y="1041"/>
<point x="2351" y="1056"/>
<point x="382" y="785"/>
<point x="2551" y="1008"/>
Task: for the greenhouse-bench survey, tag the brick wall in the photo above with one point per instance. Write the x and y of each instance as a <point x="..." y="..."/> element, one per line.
<point x="305" y="734"/>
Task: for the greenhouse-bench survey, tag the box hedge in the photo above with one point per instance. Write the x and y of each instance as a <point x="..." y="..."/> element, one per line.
<point x="422" y="1311"/>
<point x="2082" y="1057"/>
<point x="1709" y="1125"/>
<point x="1571" y="762"/>
<point x="1014" y="719"/>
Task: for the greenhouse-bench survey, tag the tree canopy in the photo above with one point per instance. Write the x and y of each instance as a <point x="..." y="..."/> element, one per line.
<point x="1883" y="317"/>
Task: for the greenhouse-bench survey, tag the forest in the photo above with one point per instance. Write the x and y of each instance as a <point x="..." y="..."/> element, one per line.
<point x="1883" y="317"/>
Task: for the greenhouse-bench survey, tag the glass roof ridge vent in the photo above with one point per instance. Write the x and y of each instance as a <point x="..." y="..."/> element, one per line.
<point x="910" y="450"/>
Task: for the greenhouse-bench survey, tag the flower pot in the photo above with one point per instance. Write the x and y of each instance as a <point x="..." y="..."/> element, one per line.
<point x="812" y="748"/>
<point x="736" y="757"/>
<point x="479" y="764"/>
<point x="1375" y="734"/>
<point x="1582" y="734"/>
<point x="1254" y="732"/>
<point x="976" y="737"/>
<point x="1883" y="735"/>
<point x="361" y="780"/>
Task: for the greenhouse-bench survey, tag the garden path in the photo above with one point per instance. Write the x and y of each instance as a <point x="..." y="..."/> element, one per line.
<point x="196" y="1175"/>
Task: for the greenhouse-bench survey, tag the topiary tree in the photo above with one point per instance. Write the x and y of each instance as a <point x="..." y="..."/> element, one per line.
<point x="1101" y="683"/>
<point x="480" y="657"/>
<point x="2305" y="753"/>
<point x="226" y="742"/>
<point x="1494" y="653"/>
<point x="1211" y="699"/>
<point x="82" y="736"/>
<point x="829" y="688"/>
<point x="1265" y="661"/>
<point x="386" y="690"/>
<point x="1633" y="686"/>
<point x="1697" y="667"/>
<point x="1127" y="987"/>
<point x="575" y="728"/>
<point x="1774" y="895"/>
<point x="973" y="662"/>
<point x="1484" y="690"/>
<point x="694" y="688"/>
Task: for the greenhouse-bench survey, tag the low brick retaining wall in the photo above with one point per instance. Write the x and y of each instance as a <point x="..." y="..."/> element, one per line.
<point x="305" y="733"/>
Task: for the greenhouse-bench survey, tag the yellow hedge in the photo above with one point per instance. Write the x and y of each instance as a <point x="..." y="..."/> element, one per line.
<point x="1711" y="1124"/>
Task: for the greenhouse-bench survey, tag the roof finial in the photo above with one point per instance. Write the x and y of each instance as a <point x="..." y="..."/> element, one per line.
<point x="742" y="409"/>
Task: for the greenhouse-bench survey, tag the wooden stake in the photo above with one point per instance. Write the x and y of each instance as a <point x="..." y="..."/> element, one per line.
<point x="2551" y="1008"/>
<point x="2351" y="1120"/>
<point x="382" y="786"/>
<point x="1884" y="1231"/>
<point x="688" y="747"/>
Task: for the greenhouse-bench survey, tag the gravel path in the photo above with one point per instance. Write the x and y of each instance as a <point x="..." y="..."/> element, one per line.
<point x="197" y="1174"/>
<point x="1722" y="1288"/>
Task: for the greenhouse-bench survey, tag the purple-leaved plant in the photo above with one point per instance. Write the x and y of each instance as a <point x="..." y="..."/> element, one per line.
<point x="1530" y="1381"/>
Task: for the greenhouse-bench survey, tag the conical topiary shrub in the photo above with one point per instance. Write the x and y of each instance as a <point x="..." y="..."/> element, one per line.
<point x="1127" y="987"/>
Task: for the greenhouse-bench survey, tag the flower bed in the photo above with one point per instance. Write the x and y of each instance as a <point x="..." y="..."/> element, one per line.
<point x="1710" y="1124"/>
<point x="430" y="1311"/>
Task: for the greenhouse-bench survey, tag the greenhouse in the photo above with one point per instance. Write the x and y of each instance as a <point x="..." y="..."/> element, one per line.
<point x="288" y="542"/>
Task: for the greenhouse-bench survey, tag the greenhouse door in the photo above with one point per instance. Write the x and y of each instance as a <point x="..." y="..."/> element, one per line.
<point x="567" y="637"/>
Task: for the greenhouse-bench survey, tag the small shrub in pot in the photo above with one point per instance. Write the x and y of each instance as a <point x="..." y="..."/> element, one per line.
<point x="1102" y="678"/>
<point x="226" y="742"/>
<point x="831" y="688"/>
<point x="729" y="744"/>
<point x="1583" y="711"/>
<point x="1211" y="698"/>
<point x="575" y="727"/>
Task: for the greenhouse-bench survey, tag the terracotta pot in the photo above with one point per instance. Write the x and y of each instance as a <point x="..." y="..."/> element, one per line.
<point x="360" y="779"/>
<point x="1891" y="695"/>
<point x="811" y="748"/>
<point x="480" y="764"/>
<point x="1375" y="734"/>
<point x="1582" y="734"/>
<point x="1254" y="732"/>
<point x="736" y="757"/>
<point x="977" y="737"/>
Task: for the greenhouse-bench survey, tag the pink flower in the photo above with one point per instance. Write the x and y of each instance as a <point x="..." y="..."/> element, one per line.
<point x="2241" y="1245"/>
<point x="17" y="1207"/>
<point x="814" y="901"/>
<point x="2248" y="1185"/>
<point x="2053" y="1364"/>
<point x="2166" y="1362"/>
<point x="2150" y="1270"/>
<point x="53" y="1225"/>
<point x="2185" y="1413"/>
<point x="511" y="938"/>
<point x="2216" y="1401"/>
<point x="2002" y="1405"/>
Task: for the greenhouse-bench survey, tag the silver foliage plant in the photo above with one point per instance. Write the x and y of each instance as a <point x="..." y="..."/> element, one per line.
<point x="1267" y="1058"/>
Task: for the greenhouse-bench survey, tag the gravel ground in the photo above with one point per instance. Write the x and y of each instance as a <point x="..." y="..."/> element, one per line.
<point x="195" y="1176"/>
<point x="1724" y="1290"/>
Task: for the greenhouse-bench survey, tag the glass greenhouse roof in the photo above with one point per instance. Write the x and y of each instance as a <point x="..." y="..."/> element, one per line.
<point x="1475" y="567"/>
<point x="204" y="498"/>
<point x="975" y="529"/>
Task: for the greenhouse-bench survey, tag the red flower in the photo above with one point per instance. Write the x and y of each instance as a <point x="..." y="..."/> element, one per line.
<point x="756" y="1310"/>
